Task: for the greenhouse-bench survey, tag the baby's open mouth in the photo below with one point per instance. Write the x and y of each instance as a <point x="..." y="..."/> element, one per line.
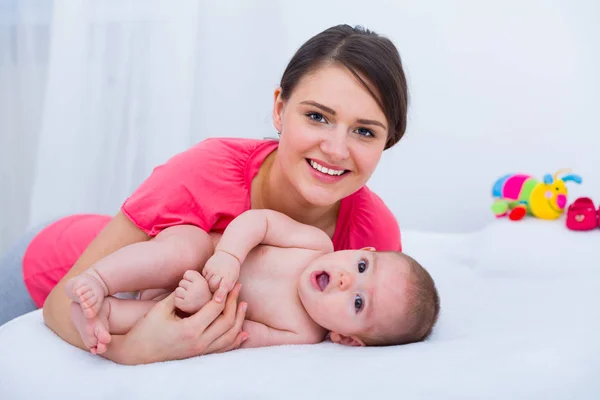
<point x="322" y="280"/>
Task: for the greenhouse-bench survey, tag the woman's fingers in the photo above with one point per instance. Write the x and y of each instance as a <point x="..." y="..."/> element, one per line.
<point x="202" y="323"/>
<point x="239" y="339"/>
<point x="221" y="292"/>
<point x="234" y="337"/>
<point x="226" y="320"/>
<point x="167" y="305"/>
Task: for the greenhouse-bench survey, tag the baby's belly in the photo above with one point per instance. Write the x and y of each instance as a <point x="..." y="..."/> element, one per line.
<point x="269" y="278"/>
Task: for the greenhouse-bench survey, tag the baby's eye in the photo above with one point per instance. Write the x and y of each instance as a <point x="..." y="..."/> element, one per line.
<point x="362" y="266"/>
<point x="314" y="116"/>
<point x="358" y="303"/>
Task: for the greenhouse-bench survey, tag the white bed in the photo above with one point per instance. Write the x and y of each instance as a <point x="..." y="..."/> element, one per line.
<point x="519" y="320"/>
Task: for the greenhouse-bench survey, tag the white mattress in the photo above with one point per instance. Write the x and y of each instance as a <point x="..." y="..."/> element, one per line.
<point x="520" y="320"/>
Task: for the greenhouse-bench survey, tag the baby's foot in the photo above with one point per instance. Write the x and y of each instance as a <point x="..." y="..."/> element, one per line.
<point x="192" y="293"/>
<point x="89" y="290"/>
<point x="93" y="331"/>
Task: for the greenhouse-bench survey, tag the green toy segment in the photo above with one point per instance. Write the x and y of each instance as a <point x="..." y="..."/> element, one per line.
<point x="500" y="207"/>
<point x="527" y="188"/>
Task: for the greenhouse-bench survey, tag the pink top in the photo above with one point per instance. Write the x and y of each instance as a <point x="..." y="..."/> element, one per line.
<point x="207" y="186"/>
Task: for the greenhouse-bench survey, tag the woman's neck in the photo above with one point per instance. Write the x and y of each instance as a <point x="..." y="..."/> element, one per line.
<point x="272" y="190"/>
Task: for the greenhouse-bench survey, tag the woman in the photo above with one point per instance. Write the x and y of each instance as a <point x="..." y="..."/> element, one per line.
<point x="342" y="101"/>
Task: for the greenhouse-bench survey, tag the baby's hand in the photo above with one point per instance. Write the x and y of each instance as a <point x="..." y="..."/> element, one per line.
<point x="221" y="271"/>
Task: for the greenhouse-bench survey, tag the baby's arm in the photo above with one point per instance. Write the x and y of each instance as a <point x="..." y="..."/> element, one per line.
<point x="261" y="335"/>
<point x="247" y="231"/>
<point x="273" y="228"/>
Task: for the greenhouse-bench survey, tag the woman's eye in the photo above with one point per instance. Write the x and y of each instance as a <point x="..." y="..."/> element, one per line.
<point x="365" y="132"/>
<point x="362" y="266"/>
<point x="316" y="117"/>
<point x="358" y="303"/>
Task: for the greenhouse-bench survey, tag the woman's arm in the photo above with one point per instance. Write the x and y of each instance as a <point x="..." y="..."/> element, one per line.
<point x="161" y="335"/>
<point x="119" y="233"/>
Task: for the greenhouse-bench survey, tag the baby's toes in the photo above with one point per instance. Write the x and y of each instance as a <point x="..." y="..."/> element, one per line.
<point x="89" y="310"/>
<point x="91" y="306"/>
<point x="102" y="334"/>
<point x="101" y="348"/>
<point x="192" y="275"/>
<point x="185" y="284"/>
<point x="86" y="296"/>
<point x="182" y="303"/>
<point x="81" y="289"/>
<point x="180" y="293"/>
<point x="89" y="337"/>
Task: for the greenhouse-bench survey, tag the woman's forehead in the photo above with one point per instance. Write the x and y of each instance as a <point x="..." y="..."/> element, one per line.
<point x="334" y="86"/>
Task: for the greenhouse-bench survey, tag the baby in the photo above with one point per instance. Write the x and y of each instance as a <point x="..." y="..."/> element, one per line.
<point x="298" y="290"/>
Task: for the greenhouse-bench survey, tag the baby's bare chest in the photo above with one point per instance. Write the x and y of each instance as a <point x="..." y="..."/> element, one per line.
<point x="269" y="278"/>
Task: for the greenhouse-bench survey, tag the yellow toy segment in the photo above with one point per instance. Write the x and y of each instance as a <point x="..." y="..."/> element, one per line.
<point x="548" y="200"/>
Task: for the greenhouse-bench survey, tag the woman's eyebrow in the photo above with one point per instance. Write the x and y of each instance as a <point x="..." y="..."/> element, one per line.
<point x="332" y="112"/>
<point x="321" y="106"/>
<point x="371" y="122"/>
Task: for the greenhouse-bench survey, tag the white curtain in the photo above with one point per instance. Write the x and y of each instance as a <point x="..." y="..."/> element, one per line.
<point x="95" y="93"/>
<point x="24" y="56"/>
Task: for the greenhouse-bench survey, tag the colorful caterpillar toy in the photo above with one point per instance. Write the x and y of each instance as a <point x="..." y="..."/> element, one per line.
<point x="518" y="194"/>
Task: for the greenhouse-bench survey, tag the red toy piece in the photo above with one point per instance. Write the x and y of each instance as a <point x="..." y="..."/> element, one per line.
<point x="517" y="213"/>
<point x="582" y="215"/>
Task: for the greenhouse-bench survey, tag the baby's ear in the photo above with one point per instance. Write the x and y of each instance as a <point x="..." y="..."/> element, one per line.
<point x="368" y="249"/>
<point x="346" y="340"/>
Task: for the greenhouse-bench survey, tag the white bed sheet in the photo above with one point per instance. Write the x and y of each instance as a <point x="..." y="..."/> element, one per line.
<point x="519" y="320"/>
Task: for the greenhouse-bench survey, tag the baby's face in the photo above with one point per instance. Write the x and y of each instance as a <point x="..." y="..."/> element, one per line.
<point x="352" y="292"/>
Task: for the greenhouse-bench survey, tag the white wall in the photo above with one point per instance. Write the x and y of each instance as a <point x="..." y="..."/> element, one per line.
<point x="496" y="87"/>
<point x="509" y="87"/>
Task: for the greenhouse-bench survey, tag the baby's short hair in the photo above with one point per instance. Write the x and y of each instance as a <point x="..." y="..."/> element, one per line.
<point x="422" y="313"/>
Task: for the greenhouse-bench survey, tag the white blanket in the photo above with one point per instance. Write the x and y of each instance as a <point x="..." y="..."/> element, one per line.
<point x="519" y="320"/>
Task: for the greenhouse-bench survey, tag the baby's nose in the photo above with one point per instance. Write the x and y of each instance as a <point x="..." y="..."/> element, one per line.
<point x="346" y="281"/>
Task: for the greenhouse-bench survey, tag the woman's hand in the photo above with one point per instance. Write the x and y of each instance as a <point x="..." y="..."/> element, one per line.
<point x="161" y="335"/>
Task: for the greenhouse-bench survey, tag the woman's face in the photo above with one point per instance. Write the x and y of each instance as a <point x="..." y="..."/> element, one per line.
<point x="332" y="135"/>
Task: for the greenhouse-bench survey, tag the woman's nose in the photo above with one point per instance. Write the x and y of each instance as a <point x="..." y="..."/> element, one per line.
<point x="335" y="146"/>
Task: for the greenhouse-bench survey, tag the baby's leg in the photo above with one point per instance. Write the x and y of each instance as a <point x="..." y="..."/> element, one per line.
<point x="158" y="263"/>
<point x="154" y="294"/>
<point x="124" y="314"/>
<point x="192" y="293"/>
<point x="116" y="316"/>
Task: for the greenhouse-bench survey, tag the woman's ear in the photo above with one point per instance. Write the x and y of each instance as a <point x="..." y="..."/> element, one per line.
<point x="346" y="340"/>
<point x="278" y="109"/>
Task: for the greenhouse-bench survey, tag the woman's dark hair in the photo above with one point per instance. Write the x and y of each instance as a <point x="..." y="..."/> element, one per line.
<point x="364" y="53"/>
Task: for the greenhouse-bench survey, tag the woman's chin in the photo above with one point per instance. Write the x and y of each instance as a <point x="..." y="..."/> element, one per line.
<point x="319" y="196"/>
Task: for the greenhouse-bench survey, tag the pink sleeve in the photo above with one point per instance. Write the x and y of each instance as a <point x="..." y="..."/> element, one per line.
<point x="374" y="224"/>
<point x="194" y="187"/>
